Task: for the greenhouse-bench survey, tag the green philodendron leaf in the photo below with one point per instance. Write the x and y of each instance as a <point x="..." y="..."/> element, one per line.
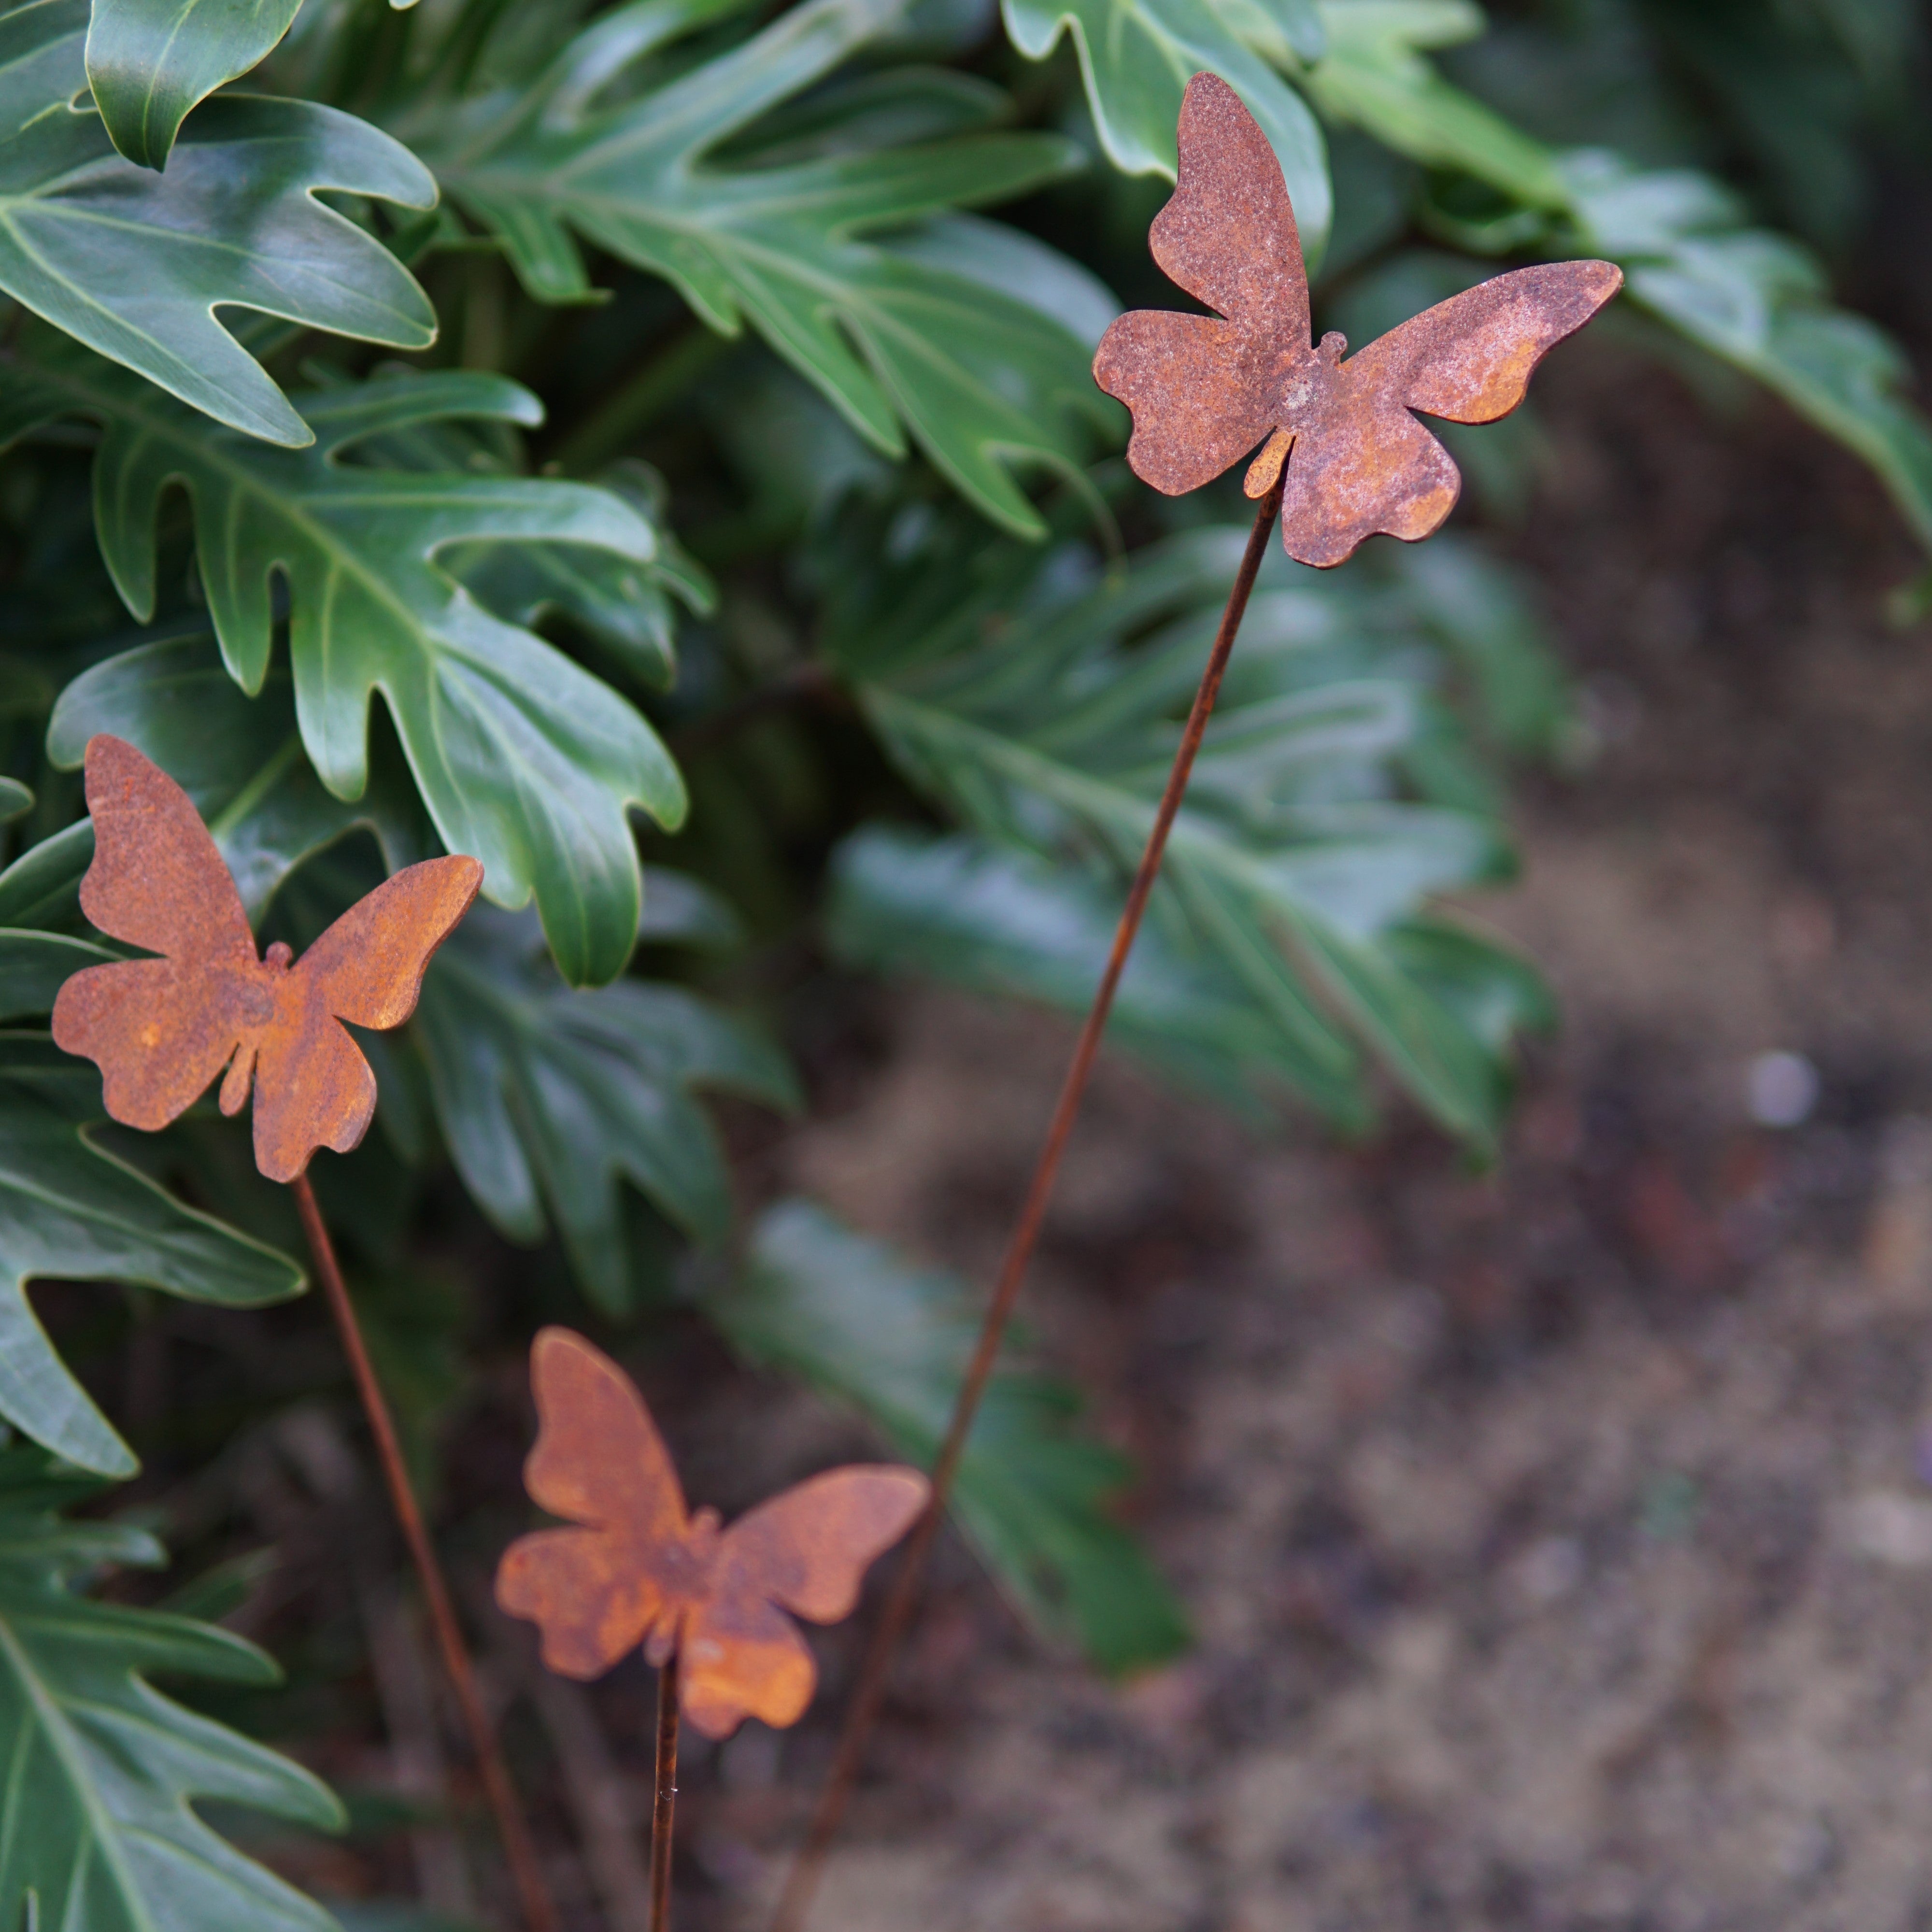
<point x="549" y="1099"/>
<point x="993" y="920"/>
<point x="33" y="967"/>
<point x="98" y="1831"/>
<point x="69" y="1212"/>
<point x="1034" y="1495"/>
<point x="626" y="605"/>
<point x="135" y="264"/>
<point x="41" y="889"/>
<point x="1040" y="696"/>
<point x="1758" y="300"/>
<point x="239" y="758"/>
<point x="1763" y="303"/>
<point x="982" y="378"/>
<point x="523" y="759"/>
<point x="680" y="910"/>
<point x="1374" y="73"/>
<point x="1137" y="57"/>
<point x="149" y="61"/>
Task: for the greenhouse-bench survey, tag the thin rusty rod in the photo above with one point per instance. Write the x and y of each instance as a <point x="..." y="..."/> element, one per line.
<point x="664" y="1805"/>
<point x="796" y="1901"/>
<point x="539" y="1913"/>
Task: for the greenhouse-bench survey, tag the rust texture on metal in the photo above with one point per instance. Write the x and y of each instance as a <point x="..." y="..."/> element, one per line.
<point x="638" y="1567"/>
<point x="1205" y="390"/>
<point x="161" y="1029"/>
<point x="1341" y="458"/>
<point x="795" y="1902"/>
<point x="664" y="1805"/>
<point x="526" y="1873"/>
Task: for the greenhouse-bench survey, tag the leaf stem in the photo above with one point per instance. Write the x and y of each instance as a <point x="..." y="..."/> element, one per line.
<point x="539" y="1914"/>
<point x="796" y="1901"/>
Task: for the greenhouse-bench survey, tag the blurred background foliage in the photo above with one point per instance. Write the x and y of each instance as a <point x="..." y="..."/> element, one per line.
<point x="678" y="414"/>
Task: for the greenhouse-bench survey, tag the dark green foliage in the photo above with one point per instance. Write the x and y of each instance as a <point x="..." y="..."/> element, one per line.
<point x="815" y="289"/>
<point x="951" y="340"/>
<point x="68" y="1211"/>
<point x="550" y="1098"/>
<point x="890" y="1342"/>
<point x="149" y="61"/>
<point x="134" y="264"/>
<point x="522" y="759"/>
<point x="1040" y="694"/>
<point x="101" y="1769"/>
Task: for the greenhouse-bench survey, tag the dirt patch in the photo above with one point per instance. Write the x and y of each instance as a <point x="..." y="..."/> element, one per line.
<point x="1560" y="1540"/>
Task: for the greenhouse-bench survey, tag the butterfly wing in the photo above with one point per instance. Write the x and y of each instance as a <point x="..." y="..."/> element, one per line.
<point x="1469" y="359"/>
<point x="312" y="1087"/>
<point x="159" y="1029"/>
<point x="1228" y="234"/>
<point x="1365" y="467"/>
<point x="1204" y="392"/>
<point x="807" y="1550"/>
<point x="599" y="1463"/>
<point x="156" y="880"/>
<point x="369" y="965"/>
<point x="738" y="1657"/>
<point x="591" y="1605"/>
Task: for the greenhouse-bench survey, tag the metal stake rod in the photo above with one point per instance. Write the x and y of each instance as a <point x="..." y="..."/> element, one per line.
<point x="795" y="1901"/>
<point x="665" y="1801"/>
<point x="539" y="1913"/>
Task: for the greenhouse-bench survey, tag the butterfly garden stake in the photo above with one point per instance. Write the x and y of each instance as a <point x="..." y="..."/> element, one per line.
<point x="1341" y="457"/>
<point x="160" y="1029"/>
<point x="637" y="1568"/>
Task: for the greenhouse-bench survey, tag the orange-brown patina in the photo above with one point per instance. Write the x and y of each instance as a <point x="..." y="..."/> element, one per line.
<point x="161" y="1029"/>
<point x="1204" y="390"/>
<point x="639" y="1568"/>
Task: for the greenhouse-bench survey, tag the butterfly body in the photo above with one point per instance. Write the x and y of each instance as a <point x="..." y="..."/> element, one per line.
<point x="637" y="1569"/>
<point x="161" y="1029"/>
<point x="1204" y="390"/>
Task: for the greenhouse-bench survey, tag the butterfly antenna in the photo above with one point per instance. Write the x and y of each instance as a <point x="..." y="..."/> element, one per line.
<point x="803" y="1883"/>
<point x="539" y="1914"/>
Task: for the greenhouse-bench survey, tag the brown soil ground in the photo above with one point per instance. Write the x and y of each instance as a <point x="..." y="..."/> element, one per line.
<point x="1559" y="1539"/>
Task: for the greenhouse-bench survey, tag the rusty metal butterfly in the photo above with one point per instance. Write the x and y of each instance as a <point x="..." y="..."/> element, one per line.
<point x="1205" y="389"/>
<point x="161" y="1029"/>
<point x="640" y="1568"/>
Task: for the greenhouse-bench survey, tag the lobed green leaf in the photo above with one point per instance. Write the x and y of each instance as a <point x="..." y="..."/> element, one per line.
<point x="101" y="1771"/>
<point x="135" y="264"/>
<point x="890" y="1342"/>
<point x="552" y="1098"/>
<point x="1040" y="699"/>
<point x="985" y="381"/>
<point x="69" y="1211"/>
<point x="990" y="920"/>
<point x="523" y="759"/>
<point x="150" y="61"/>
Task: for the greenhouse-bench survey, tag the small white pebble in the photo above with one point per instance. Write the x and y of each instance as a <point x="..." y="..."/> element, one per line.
<point x="1780" y="1090"/>
<point x="1891" y="1527"/>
